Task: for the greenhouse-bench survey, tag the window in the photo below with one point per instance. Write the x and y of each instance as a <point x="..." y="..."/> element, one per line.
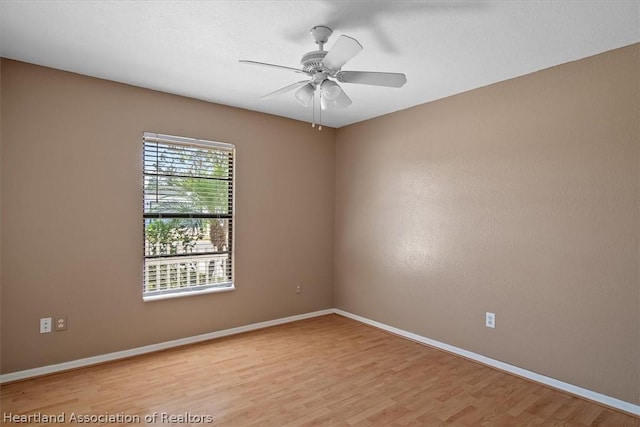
<point x="188" y="216"/>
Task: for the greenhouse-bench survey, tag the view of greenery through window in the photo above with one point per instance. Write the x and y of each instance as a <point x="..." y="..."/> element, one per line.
<point x="188" y="207"/>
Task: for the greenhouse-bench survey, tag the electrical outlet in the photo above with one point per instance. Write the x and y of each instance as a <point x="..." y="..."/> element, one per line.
<point x="490" y="320"/>
<point x="61" y="323"/>
<point x="299" y="289"/>
<point x="45" y="325"/>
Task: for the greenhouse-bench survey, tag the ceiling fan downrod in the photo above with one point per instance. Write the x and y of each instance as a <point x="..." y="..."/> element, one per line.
<point x="312" y="61"/>
<point x="321" y="34"/>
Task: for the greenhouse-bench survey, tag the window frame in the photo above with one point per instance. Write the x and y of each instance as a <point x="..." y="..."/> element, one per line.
<point x="207" y="288"/>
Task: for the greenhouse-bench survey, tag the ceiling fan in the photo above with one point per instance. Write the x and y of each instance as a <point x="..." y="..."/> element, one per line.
<point x="324" y="68"/>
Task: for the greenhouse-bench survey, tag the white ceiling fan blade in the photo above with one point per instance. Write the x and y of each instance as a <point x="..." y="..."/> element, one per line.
<point x="372" y="78"/>
<point x="285" y="89"/>
<point x="343" y="50"/>
<point x="342" y="101"/>
<point x="264" y="64"/>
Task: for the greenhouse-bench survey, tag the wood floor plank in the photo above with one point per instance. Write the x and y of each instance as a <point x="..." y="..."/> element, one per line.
<point x="322" y="371"/>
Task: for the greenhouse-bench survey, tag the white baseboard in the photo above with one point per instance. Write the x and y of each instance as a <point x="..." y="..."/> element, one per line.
<point x="551" y="382"/>
<point x="80" y="363"/>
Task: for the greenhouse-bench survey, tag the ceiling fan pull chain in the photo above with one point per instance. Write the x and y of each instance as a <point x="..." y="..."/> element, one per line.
<point x="320" y="110"/>
<point x="313" y="117"/>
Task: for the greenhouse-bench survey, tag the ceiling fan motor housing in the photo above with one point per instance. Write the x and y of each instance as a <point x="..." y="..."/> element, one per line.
<point x="312" y="61"/>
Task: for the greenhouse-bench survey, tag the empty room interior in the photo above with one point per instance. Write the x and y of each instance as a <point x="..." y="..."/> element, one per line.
<point x="321" y="212"/>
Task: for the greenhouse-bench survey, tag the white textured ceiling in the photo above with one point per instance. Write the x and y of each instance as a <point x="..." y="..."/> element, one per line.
<point x="192" y="48"/>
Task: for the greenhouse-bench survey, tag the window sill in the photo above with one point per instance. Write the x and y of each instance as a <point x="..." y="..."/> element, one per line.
<point x="213" y="290"/>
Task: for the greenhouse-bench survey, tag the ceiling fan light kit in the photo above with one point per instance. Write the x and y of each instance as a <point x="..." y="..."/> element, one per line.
<point x="323" y="69"/>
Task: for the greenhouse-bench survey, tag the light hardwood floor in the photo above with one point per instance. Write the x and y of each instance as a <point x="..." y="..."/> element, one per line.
<point x="325" y="370"/>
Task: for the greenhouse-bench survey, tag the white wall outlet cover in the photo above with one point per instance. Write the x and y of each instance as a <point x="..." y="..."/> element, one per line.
<point x="490" y="320"/>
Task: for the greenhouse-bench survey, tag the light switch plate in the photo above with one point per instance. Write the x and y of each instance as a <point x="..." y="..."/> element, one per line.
<point x="45" y="325"/>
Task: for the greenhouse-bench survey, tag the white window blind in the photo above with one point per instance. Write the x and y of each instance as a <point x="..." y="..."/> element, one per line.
<point x="188" y="215"/>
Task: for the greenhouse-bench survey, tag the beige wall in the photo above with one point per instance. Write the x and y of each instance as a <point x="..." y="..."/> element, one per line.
<point x="72" y="225"/>
<point x="520" y="198"/>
